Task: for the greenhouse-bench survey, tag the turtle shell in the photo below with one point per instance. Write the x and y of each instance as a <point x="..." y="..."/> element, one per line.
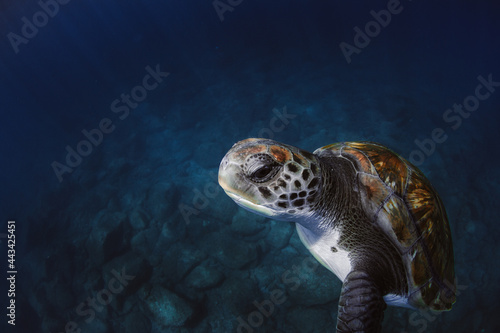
<point x="403" y="203"/>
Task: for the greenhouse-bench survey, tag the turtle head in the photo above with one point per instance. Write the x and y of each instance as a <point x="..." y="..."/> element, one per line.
<point x="271" y="178"/>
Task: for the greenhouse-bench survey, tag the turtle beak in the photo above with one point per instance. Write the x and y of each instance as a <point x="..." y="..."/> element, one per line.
<point x="233" y="182"/>
<point x="224" y="174"/>
<point x="238" y="188"/>
<point x="229" y="176"/>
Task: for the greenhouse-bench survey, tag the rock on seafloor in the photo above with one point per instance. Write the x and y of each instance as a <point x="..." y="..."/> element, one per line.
<point x="177" y="263"/>
<point x="204" y="277"/>
<point x="168" y="309"/>
<point x="310" y="320"/>
<point x="109" y="236"/>
<point x="128" y="272"/>
<point x="230" y="252"/>
<point x="135" y="322"/>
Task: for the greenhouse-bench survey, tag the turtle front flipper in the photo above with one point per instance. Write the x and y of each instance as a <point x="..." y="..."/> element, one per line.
<point x="361" y="305"/>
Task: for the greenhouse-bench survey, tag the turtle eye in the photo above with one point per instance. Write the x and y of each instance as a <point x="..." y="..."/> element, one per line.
<point x="261" y="168"/>
<point x="262" y="172"/>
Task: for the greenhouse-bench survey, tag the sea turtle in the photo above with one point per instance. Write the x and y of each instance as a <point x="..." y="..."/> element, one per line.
<point x="363" y="211"/>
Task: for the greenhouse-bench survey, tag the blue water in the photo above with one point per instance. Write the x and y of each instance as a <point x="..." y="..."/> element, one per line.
<point x="116" y="114"/>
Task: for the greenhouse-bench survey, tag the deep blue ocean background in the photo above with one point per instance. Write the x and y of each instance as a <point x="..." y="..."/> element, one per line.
<point x="139" y="237"/>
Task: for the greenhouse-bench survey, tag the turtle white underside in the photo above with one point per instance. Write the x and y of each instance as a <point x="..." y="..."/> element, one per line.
<point x="321" y="248"/>
<point x="397" y="300"/>
<point x="338" y="262"/>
